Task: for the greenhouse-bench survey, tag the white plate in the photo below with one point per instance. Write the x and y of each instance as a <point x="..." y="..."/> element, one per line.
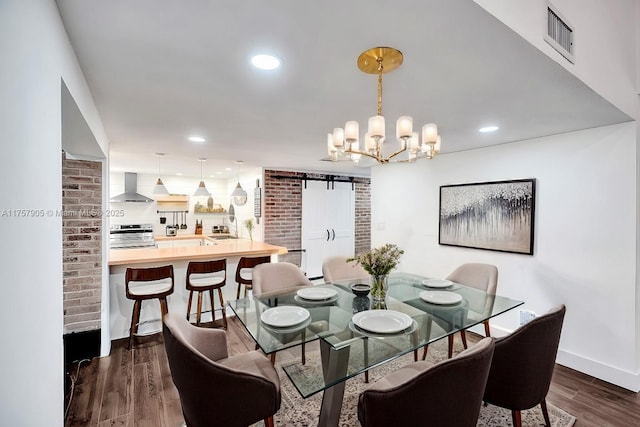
<point x="286" y="315"/>
<point x="412" y="328"/>
<point x="288" y="330"/>
<point x="441" y="297"/>
<point x="316" y="294"/>
<point x="437" y="283"/>
<point x="309" y="302"/>
<point x="382" y="321"/>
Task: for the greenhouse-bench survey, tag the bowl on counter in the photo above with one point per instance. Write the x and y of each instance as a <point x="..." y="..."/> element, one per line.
<point x="360" y="289"/>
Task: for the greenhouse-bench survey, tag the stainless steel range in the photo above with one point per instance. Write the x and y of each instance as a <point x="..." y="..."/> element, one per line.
<point x="129" y="236"/>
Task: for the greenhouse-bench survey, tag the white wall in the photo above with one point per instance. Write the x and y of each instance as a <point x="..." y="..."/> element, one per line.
<point x="585" y="236"/>
<point x="36" y="56"/>
<point x="605" y="41"/>
<point x="247" y="180"/>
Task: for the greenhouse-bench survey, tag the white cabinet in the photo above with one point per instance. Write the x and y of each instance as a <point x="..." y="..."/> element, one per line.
<point x="177" y="242"/>
<point x="328" y="223"/>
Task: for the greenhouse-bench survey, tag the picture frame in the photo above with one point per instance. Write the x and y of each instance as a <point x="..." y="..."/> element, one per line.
<point x="495" y="216"/>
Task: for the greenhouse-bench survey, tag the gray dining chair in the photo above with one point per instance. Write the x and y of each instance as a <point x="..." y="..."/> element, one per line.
<point x="448" y="393"/>
<point x="479" y="276"/>
<point x="216" y="389"/>
<point x="336" y="268"/>
<point x="523" y="363"/>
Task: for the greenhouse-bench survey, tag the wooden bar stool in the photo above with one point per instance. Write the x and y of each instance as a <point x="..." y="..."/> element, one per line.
<point x="147" y="283"/>
<point x="201" y="277"/>
<point x="245" y="270"/>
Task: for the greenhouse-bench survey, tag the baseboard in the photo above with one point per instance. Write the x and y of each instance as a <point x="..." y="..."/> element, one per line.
<point x="610" y="374"/>
<point x="496" y="331"/>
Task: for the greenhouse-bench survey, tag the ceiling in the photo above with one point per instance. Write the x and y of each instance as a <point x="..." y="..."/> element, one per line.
<point x="161" y="70"/>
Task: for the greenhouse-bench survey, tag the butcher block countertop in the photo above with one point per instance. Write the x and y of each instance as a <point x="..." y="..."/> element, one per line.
<point x="221" y="249"/>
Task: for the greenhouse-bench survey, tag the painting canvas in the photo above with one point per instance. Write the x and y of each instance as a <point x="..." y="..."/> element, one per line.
<point x="497" y="216"/>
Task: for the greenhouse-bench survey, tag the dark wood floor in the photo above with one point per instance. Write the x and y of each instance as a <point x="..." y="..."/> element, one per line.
<point x="134" y="388"/>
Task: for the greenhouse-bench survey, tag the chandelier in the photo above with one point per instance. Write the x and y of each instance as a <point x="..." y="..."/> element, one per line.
<point x="346" y="143"/>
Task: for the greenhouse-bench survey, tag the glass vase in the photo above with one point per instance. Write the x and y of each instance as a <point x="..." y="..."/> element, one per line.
<point x="379" y="285"/>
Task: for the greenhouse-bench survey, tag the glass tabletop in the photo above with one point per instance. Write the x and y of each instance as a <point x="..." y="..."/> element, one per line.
<point x="357" y="349"/>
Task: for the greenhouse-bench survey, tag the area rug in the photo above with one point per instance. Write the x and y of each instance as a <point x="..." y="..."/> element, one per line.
<point x="298" y="412"/>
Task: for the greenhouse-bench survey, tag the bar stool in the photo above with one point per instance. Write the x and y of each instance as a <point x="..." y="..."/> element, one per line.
<point x="245" y="270"/>
<point x="147" y="283"/>
<point x="201" y="277"/>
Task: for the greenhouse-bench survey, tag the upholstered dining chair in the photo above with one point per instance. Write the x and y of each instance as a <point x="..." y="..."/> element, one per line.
<point x="271" y="279"/>
<point x="277" y="277"/>
<point x="479" y="276"/>
<point x="448" y="393"/>
<point x="523" y="364"/>
<point x="336" y="268"/>
<point x="210" y="382"/>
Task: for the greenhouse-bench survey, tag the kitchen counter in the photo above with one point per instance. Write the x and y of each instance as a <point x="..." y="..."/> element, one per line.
<point x="221" y="249"/>
<point x="120" y="307"/>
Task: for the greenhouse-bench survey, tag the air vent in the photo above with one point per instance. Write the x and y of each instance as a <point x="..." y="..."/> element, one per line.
<point x="559" y="33"/>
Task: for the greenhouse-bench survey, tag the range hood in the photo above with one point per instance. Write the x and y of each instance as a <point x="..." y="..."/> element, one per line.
<point x="131" y="190"/>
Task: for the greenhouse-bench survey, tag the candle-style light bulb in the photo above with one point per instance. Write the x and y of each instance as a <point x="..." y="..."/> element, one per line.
<point x="404" y="127"/>
<point x="351" y="131"/>
<point x="376" y="126"/>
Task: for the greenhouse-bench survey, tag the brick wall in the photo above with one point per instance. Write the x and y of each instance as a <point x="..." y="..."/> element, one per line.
<point x="363" y="217"/>
<point x="82" y="244"/>
<point x="283" y="212"/>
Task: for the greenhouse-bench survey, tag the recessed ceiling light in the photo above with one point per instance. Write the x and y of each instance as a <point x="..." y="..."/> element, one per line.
<point x="265" y="62"/>
<point x="488" y="129"/>
<point x="179" y="173"/>
<point x="227" y="169"/>
<point x="197" y="139"/>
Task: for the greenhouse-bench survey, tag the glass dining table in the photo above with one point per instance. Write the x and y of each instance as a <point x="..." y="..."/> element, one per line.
<point x="348" y="346"/>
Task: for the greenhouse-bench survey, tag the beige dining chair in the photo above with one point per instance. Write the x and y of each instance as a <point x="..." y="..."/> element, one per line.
<point x="479" y="276"/>
<point x="336" y="268"/>
<point x="272" y="279"/>
<point x="522" y="365"/>
<point x="448" y="393"/>
<point x="210" y="382"/>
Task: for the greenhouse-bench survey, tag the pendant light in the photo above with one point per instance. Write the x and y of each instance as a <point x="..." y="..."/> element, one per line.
<point x="202" y="189"/>
<point x="159" y="188"/>
<point x="238" y="195"/>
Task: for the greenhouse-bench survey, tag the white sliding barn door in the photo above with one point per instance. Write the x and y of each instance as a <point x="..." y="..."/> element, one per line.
<point x="328" y="222"/>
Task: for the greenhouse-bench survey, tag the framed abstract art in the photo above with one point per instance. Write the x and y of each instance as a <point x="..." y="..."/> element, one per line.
<point x="497" y="216"/>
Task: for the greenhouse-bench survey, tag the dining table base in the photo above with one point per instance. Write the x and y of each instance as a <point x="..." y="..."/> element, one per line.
<point x="335" y="363"/>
